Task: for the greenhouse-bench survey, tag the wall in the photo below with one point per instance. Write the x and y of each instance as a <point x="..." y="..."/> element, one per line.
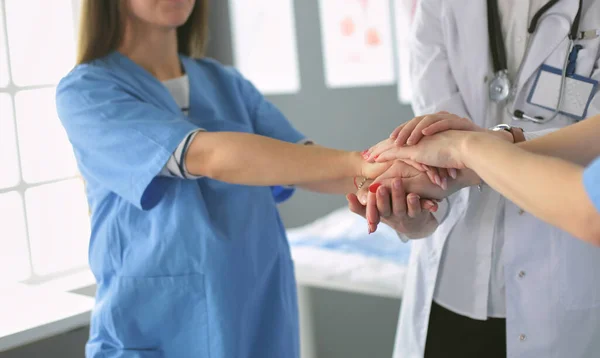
<point x="352" y="325"/>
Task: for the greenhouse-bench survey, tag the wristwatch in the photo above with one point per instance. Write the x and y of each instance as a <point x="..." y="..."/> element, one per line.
<point x="517" y="133"/>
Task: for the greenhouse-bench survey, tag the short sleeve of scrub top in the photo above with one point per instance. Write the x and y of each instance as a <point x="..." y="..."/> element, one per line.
<point x="120" y="141"/>
<point x="591" y="182"/>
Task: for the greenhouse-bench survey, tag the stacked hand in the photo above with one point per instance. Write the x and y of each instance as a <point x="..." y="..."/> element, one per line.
<point x="433" y="140"/>
<point x="405" y="213"/>
<point x="434" y="144"/>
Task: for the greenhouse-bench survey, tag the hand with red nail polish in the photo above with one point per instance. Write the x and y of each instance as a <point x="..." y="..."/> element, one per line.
<point x="390" y="204"/>
<point x="404" y="198"/>
<point x="382" y="202"/>
<point x="415" y="181"/>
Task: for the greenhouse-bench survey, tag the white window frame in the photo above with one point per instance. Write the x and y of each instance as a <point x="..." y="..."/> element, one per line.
<point x="21" y="187"/>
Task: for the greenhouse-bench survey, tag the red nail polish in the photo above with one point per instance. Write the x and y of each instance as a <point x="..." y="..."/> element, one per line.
<point x="373" y="187"/>
<point x="375" y="157"/>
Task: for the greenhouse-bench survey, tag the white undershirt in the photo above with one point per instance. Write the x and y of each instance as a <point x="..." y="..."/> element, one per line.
<point x="471" y="275"/>
<point x="180" y="90"/>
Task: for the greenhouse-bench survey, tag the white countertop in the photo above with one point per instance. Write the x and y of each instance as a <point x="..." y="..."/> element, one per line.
<point x="31" y="313"/>
<point x="348" y="272"/>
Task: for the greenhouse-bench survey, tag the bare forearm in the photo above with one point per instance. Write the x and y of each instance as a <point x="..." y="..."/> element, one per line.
<point x="336" y="186"/>
<point x="578" y="143"/>
<point x="242" y="158"/>
<point x="542" y="185"/>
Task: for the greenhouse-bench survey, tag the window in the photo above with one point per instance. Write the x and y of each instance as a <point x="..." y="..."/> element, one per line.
<point x="44" y="225"/>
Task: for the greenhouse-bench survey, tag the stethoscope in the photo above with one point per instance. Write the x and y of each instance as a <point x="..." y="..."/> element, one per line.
<point x="500" y="88"/>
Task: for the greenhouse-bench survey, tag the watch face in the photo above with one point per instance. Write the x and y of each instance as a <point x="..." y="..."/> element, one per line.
<point x="502" y="127"/>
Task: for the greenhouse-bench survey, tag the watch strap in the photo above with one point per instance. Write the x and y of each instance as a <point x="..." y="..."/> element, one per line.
<point x="518" y="134"/>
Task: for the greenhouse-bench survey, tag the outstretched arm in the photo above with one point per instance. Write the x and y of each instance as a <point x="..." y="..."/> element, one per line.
<point x="539" y="184"/>
<point x="242" y="158"/>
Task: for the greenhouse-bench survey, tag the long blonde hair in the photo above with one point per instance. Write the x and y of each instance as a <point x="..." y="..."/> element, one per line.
<point x="101" y="29"/>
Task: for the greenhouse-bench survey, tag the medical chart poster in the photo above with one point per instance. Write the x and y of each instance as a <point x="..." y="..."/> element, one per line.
<point x="264" y="44"/>
<point x="357" y="42"/>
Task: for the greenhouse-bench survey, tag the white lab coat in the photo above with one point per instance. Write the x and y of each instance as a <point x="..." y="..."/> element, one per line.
<point x="553" y="306"/>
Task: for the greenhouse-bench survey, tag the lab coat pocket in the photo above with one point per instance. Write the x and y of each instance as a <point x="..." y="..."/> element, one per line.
<point x="579" y="273"/>
<point x="585" y="62"/>
<point x="587" y="57"/>
<point x="162" y="316"/>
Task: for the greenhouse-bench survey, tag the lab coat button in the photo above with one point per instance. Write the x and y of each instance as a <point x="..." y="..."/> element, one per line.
<point x="521" y="274"/>
<point x="521" y="211"/>
<point x="522" y="337"/>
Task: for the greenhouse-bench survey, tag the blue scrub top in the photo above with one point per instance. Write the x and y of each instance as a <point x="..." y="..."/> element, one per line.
<point x="185" y="268"/>
<point x="591" y="181"/>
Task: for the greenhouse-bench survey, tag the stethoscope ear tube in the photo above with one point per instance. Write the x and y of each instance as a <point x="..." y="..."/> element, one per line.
<point x="496" y="40"/>
<point x="537" y="16"/>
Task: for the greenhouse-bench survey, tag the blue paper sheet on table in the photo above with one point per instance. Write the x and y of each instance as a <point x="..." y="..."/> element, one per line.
<point x="344" y="231"/>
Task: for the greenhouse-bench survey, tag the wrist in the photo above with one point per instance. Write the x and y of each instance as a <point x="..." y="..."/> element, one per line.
<point x="509" y="133"/>
<point x="359" y="165"/>
<point x="354" y="164"/>
<point x="469" y="146"/>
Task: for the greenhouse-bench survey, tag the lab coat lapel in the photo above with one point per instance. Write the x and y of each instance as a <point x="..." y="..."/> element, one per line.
<point x="552" y="31"/>
<point x="470" y="18"/>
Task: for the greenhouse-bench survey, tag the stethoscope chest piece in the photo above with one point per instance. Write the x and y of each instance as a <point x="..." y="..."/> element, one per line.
<point x="499" y="87"/>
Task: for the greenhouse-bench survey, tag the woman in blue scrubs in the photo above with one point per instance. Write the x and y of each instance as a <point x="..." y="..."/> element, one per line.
<point x="182" y="159"/>
<point x="555" y="177"/>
